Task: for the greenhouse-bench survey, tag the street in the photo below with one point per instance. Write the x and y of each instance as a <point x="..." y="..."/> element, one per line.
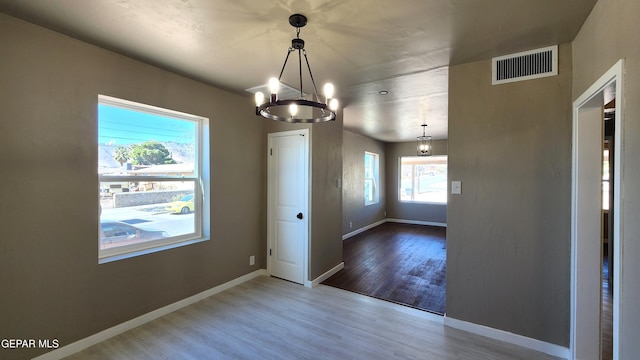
<point x="152" y="217"/>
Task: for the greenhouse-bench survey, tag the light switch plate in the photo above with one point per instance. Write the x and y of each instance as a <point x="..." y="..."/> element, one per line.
<point x="456" y="187"/>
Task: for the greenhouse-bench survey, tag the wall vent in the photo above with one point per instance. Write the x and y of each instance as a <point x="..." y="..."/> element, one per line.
<point x="525" y="65"/>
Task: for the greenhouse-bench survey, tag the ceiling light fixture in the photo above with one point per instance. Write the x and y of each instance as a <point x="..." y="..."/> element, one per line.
<point x="298" y="110"/>
<point x="424" y="143"/>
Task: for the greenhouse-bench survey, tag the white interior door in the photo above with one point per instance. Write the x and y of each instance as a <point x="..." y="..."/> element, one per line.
<point x="288" y="204"/>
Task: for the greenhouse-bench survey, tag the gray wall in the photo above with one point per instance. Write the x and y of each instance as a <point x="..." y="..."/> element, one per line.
<point x="326" y="201"/>
<point x="431" y="213"/>
<point x="354" y="210"/>
<point x="609" y="34"/>
<point x="52" y="285"/>
<point x="508" y="234"/>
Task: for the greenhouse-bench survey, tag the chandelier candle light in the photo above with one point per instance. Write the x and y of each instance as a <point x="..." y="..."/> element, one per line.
<point x="300" y="110"/>
<point x="424" y="143"/>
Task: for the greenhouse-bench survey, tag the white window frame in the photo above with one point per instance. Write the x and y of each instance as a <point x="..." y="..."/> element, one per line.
<point x="201" y="181"/>
<point x="375" y="180"/>
<point x="425" y="158"/>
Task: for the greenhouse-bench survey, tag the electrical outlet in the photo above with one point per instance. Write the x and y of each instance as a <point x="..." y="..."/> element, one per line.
<point x="350" y="225"/>
<point x="252" y="260"/>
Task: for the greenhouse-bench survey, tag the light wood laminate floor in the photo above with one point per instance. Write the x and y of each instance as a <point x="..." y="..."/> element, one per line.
<point x="268" y="318"/>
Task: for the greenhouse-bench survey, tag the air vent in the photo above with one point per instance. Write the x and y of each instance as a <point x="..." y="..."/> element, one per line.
<point x="526" y="65"/>
<point x="285" y="92"/>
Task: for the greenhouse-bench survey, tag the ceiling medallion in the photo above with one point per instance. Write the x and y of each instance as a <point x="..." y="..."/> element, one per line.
<point x="299" y="110"/>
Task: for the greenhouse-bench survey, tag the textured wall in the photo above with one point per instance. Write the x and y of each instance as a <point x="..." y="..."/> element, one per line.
<point x="52" y="284"/>
<point x="354" y="210"/>
<point x="432" y="213"/>
<point x="609" y="34"/>
<point x="508" y="233"/>
<point x="326" y="202"/>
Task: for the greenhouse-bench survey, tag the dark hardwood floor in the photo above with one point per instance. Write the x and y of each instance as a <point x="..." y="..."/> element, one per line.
<point x="401" y="263"/>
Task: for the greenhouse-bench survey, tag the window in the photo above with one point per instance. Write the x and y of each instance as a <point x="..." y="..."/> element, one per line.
<point x="371" y="178"/>
<point x="423" y="179"/>
<point x="153" y="179"/>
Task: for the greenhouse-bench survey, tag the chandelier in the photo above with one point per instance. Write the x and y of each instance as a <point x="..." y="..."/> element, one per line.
<point x="298" y="110"/>
<point x="424" y="143"/>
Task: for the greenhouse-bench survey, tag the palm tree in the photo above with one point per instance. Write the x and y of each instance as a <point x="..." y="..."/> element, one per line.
<point x="121" y="155"/>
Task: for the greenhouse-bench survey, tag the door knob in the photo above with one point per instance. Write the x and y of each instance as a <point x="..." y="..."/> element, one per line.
<point x="299" y="216"/>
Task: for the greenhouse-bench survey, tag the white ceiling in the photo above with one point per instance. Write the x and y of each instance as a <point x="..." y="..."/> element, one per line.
<point x="363" y="47"/>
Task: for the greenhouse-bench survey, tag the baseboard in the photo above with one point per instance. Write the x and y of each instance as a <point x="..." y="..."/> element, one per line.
<point x="363" y="229"/>
<point x="416" y="222"/>
<point x="402" y="221"/>
<point x="82" y="344"/>
<point x="501" y="335"/>
<point x="324" y="276"/>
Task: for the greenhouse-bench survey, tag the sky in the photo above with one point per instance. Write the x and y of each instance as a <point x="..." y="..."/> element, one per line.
<point x="118" y="126"/>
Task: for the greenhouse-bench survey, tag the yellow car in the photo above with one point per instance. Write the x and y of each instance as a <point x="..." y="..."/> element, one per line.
<point x="183" y="206"/>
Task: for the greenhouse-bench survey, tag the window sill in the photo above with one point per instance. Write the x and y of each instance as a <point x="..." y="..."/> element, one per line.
<point x="111" y="258"/>
<point x="422" y="202"/>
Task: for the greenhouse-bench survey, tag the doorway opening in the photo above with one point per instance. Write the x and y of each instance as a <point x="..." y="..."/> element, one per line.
<point x="608" y="166"/>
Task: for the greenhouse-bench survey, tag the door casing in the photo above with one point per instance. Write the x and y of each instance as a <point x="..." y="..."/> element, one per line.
<point x="579" y="270"/>
<point x="271" y="177"/>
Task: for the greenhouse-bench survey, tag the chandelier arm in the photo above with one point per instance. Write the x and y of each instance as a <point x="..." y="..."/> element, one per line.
<point x="300" y="69"/>
<point x="315" y="89"/>
<point x="285" y="63"/>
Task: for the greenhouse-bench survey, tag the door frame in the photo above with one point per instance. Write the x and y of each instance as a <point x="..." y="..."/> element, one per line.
<point x="614" y="74"/>
<point x="270" y="178"/>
